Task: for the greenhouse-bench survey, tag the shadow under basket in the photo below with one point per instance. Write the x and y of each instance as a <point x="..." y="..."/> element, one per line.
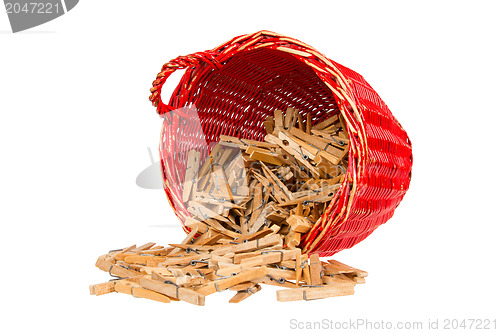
<point x="232" y="89"/>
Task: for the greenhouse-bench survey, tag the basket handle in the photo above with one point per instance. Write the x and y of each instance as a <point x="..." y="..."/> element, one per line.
<point x="181" y="62"/>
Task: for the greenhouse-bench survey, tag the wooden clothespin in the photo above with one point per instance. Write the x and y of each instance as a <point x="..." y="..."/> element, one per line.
<point x="338" y="279"/>
<point x="310" y="293"/>
<point x="299" y="224"/>
<point x="270" y="257"/>
<point x="328" y="122"/>
<point x="300" y="121"/>
<point x="284" y="173"/>
<point x="245" y="293"/>
<point x="315" y="212"/>
<point x="223" y="284"/>
<point x="136" y="290"/>
<point x="299" y="210"/>
<point x="292" y="239"/>
<point x="328" y="146"/>
<point x="306" y="273"/>
<point x="290" y="118"/>
<point x="278" y="120"/>
<point x="220" y="183"/>
<point x="278" y="186"/>
<point x="305" y="150"/>
<point x="117" y="269"/>
<point x="335" y="267"/>
<point x="308" y="123"/>
<point x="334" y="140"/>
<point x="315" y="269"/>
<point x="187" y="240"/>
<point x="269" y="125"/>
<point x="108" y="287"/>
<point x="208" y="238"/>
<point x="264" y="155"/>
<point x="261" y="218"/>
<point x="285" y="145"/>
<point x="171" y="290"/>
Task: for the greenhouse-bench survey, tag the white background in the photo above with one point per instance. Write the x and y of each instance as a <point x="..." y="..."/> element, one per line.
<point x="76" y="123"/>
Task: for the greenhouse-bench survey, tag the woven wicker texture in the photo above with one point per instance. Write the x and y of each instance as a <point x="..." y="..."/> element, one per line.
<point x="232" y="88"/>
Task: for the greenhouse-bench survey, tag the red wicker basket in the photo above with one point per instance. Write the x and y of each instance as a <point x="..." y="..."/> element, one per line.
<point x="236" y="85"/>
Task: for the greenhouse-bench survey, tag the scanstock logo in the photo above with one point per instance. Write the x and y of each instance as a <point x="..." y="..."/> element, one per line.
<point x="26" y="14"/>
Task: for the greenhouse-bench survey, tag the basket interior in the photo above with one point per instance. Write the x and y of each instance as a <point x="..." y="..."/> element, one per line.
<point x="235" y="100"/>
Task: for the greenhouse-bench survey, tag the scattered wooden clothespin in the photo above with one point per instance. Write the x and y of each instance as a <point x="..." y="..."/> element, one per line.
<point x="313" y="292"/>
<point x="316" y="269"/>
<point x="299" y="224"/>
<point x="195" y="271"/>
<point x="245" y="293"/>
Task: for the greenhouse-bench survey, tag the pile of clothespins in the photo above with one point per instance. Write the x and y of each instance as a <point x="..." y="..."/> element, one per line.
<point x="247" y="188"/>
<point x="251" y="204"/>
<point x="192" y="270"/>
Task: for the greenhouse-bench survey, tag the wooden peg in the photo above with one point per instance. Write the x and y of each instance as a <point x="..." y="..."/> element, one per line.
<point x="260" y="154"/>
<point x="158" y="270"/>
<point x="326" y="167"/>
<point x="223" y="284"/>
<point x="204" y="213"/>
<point x="299" y="223"/>
<point x="269" y="257"/>
<point x="277" y="183"/>
<point x="220" y="183"/>
<point x="244" y="294"/>
<point x="244" y="143"/>
<point x="308" y="123"/>
<point x="112" y="255"/>
<point x="146" y="246"/>
<point x="242" y="286"/>
<point x="142" y="259"/>
<point x="270" y="280"/>
<point x="170" y="290"/>
<point x="324" y="124"/>
<point x="357" y="279"/>
<point x="136" y="290"/>
<point x="226" y="155"/>
<point x="116" y="269"/>
<point x="315" y="212"/>
<point x="337" y="279"/>
<point x="251" y="245"/>
<point x="310" y="293"/>
<point x="315" y="268"/>
<point x="102" y="288"/>
<point x="107" y="287"/>
<point x="188" y="239"/>
<point x="278" y="120"/>
<point x="269" y="125"/>
<point x="306" y="273"/>
<point x="284" y="144"/>
<point x="300" y="120"/>
<point x="292" y="239"/>
<point x="290" y="118"/>
<point x="305" y="150"/>
<point x="262" y="218"/>
<point x="298" y="268"/>
<point x="336" y="267"/>
<point x="299" y="211"/>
